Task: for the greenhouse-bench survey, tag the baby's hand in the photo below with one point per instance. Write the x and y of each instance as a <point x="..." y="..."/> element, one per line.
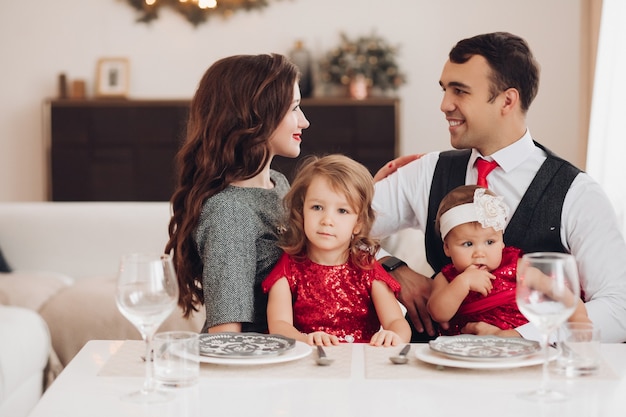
<point x="322" y="338"/>
<point x="385" y="338"/>
<point x="478" y="280"/>
<point x="580" y="314"/>
<point x="484" y="329"/>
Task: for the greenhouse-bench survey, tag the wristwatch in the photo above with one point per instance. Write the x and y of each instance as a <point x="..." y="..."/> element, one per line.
<point x="392" y="263"/>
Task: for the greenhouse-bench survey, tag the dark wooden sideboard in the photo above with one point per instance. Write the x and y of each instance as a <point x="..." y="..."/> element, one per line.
<point x="123" y="150"/>
<point x="114" y="150"/>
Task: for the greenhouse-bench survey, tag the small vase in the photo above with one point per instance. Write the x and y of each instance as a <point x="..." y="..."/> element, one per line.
<point x="358" y="87"/>
<point x="301" y="57"/>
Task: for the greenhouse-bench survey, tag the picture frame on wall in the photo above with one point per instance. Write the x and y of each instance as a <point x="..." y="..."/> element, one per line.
<point x="112" y="77"/>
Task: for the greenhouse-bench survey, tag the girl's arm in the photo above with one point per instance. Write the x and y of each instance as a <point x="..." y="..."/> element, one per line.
<point x="395" y="327"/>
<point x="280" y="311"/>
<point x="446" y="297"/>
<point x="280" y="317"/>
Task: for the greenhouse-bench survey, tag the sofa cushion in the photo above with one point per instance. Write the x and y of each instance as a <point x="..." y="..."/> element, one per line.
<point x="4" y="266"/>
<point x="31" y="289"/>
<point x="87" y="311"/>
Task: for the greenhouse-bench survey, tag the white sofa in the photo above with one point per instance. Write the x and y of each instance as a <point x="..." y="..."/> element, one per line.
<point x="24" y="353"/>
<point x="64" y="259"/>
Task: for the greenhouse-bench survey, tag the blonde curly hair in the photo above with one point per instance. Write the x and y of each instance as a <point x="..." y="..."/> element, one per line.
<point x="346" y="176"/>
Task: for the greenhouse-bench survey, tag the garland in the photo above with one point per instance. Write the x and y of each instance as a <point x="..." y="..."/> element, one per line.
<point x="192" y="10"/>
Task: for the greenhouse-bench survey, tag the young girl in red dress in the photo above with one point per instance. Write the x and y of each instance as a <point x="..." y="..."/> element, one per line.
<point x="327" y="287"/>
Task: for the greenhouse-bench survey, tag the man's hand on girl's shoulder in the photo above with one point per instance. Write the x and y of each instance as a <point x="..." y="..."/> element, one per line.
<point x="392" y="166"/>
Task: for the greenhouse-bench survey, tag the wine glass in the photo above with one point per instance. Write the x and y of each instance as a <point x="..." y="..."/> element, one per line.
<point x="547" y="294"/>
<point x="146" y="294"/>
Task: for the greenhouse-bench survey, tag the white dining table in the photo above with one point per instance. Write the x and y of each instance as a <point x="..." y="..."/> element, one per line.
<point x="360" y="382"/>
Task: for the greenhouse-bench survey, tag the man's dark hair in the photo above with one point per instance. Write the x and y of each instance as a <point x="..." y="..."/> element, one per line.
<point x="511" y="61"/>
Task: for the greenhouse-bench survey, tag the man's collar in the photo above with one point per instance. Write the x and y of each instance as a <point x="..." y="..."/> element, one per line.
<point x="510" y="157"/>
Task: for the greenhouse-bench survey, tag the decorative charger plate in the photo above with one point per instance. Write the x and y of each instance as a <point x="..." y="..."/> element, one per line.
<point x="484" y="348"/>
<point x="244" y="345"/>
<point x="301" y="350"/>
<point x="426" y="354"/>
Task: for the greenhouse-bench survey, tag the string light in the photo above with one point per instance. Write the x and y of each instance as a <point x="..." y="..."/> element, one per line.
<point x="195" y="11"/>
<point x="207" y="4"/>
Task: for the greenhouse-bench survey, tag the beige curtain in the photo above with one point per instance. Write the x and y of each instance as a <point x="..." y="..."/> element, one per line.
<point x="607" y="133"/>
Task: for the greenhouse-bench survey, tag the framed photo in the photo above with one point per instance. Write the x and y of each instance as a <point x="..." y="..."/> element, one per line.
<point x="112" y="77"/>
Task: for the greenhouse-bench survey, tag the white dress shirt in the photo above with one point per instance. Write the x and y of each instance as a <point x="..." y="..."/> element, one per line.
<point x="589" y="226"/>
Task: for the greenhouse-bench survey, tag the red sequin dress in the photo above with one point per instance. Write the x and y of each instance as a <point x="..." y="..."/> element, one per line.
<point x="499" y="308"/>
<point x="333" y="299"/>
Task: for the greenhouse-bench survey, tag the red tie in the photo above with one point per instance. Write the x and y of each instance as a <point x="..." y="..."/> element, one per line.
<point x="484" y="168"/>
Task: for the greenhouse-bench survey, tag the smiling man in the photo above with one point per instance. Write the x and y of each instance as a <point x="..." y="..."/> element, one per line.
<point x="489" y="83"/>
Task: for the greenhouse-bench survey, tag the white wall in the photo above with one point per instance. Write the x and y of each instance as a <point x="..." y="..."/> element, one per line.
<point x="40" y="39"/>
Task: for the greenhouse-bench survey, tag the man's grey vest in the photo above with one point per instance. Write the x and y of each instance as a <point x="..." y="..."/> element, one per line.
<point x="536" y="223"/>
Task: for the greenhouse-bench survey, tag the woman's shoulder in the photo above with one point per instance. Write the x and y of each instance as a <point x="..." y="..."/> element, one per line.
<point x="237" y="200"/>
<point x="280" y="181"/>
<point x="227" y="210"/>
<point x="226" y="201"/>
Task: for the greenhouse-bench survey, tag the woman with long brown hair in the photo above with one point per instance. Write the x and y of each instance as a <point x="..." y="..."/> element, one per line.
<point x="227" y="206"/>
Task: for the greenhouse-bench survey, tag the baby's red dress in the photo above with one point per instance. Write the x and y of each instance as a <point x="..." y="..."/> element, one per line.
<point x="499" y="308"/>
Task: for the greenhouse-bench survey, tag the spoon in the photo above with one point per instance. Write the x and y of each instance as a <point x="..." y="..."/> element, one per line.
<point x="322" y="359"/>
<point x="401" y="359"/>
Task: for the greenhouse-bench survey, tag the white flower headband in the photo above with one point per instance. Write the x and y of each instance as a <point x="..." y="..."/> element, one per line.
<point x="486" y="209"/>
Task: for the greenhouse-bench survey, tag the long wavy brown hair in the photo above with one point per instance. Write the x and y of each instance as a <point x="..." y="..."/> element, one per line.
<point x="345" y="176"/>
<point x="238" y="105"/>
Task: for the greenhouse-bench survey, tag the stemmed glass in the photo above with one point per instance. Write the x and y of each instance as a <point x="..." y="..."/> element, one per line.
<point x="547" y="294"/>
<point x="146" y="294"/>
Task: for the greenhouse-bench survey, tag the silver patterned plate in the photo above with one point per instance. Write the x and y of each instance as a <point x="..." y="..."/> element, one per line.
<point x="244" y="345"/>
<point x="484" y="348"/>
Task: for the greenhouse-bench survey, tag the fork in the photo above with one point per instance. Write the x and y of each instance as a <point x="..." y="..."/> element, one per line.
<point x="322" y="359"/>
